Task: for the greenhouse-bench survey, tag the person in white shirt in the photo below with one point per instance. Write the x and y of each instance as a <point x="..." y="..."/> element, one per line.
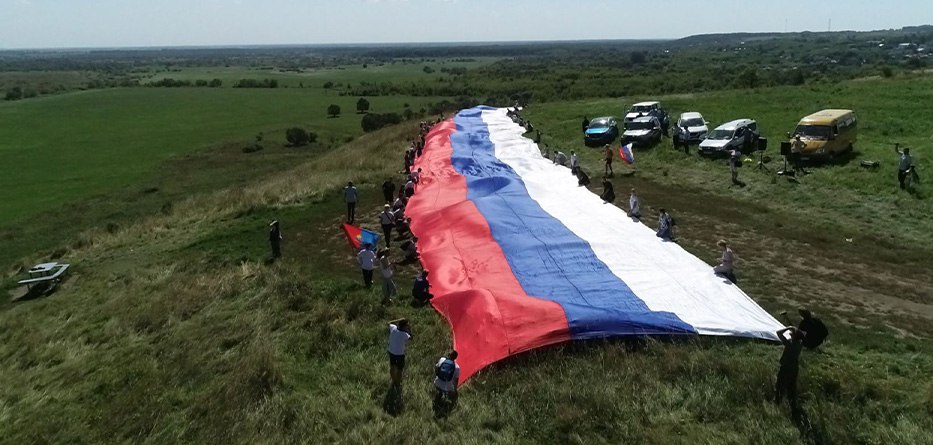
<point x="903" y="164"/>
<point x="726" y="263"/>
<point x="446" y="380"/>
<point x="367" y="259"/>
<point x="399" y="336"/>
<point x="634" y="206"/>
<point x="574" y="163"/>
<point x="388" y="284"/>
<point x="351" y="196"/>
<point x="387" y="221"/>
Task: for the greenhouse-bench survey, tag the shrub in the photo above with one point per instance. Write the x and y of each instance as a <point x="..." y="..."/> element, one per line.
<point x="373" y="122"/>
<point x="297" y="136"/>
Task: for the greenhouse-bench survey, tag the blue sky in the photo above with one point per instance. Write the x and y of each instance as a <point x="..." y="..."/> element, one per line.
<point x="96" y="23"/>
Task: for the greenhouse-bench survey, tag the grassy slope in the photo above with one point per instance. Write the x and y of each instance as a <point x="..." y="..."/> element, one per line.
<point x="68" y="154"/>
<point x="173" y="330"/>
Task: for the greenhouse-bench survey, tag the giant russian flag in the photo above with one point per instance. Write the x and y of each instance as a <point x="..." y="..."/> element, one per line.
<point x="521" y="257"/>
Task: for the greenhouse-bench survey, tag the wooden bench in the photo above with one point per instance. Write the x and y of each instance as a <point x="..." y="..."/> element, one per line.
<point x="49" y="279"/>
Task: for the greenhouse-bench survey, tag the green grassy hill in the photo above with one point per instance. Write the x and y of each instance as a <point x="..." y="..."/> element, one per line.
<point x="174" y="329"/>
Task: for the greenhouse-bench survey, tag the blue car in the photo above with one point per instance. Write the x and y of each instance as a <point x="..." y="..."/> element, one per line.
<point x="601" y="131"/>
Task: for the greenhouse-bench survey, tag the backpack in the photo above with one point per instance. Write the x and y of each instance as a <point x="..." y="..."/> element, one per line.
<point x="445" y="372"/>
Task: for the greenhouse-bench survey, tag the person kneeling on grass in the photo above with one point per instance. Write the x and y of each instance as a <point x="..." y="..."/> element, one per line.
<point x="665" y="226"/>
<point x="609" y="194"/>
<point x="410" y="248"/>
<point x="726" y="263"/>
<point x="446" y="379"/>
<point x="421" y="290"/>
<point x="583" y="179"/>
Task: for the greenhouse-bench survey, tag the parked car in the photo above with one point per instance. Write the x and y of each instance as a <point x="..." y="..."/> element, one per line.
<point x="696" y="128"/>
<point x="650" y="108"/>
<point x="602" y="131"/>
<point x="642" y="132"/>
<point x="827" y="133"/>
<point x="740" y="134"/>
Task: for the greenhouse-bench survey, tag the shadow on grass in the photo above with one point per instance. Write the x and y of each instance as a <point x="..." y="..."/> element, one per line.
<point x="393" y="404"/>
<point x="808" y="431"/>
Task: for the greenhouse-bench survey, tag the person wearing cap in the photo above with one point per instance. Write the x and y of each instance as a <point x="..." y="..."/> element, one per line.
<point x="387" y="221"/>
<point x="726" y="263"/>
<point x="275" y="239"/>
<point x="351" y="196"/>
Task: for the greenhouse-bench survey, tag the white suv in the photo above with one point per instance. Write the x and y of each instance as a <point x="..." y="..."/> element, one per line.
<point x="695" y="125"/>
<point x="740" y="134"/>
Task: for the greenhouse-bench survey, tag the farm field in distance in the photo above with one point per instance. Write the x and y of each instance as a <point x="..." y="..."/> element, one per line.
<point x="175" y="327"/>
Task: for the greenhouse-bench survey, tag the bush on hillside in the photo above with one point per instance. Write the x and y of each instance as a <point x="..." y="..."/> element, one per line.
<point x="297" y="136"/>
<point x="373" y="122"/>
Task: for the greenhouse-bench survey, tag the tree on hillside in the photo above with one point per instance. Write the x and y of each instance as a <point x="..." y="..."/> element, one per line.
<point x="297" y="136"/>
<point x="333" y="110"/>
<point x="748" y="78"/>
<point x="362" y="105"/>
<point x="215" y="83"/>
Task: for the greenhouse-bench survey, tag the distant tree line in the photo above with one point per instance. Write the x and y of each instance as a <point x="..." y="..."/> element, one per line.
<point x="173" y="83"/>
<point x="256" y="83"/>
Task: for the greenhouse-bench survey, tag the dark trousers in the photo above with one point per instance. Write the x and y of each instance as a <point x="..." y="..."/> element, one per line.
<point x="276" y="249"/>
<point x="786" y="385"/>
<point x="901" y="177"/>
<point x="367" y="278"/>
<point x="389" y="195"/>
<point x="351" y="212"/>
<point x="387" y="230"/>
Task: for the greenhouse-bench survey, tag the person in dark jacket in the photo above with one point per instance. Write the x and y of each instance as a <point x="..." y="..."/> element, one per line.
<point x="786" y="384"/>
<point x="421" y="290"/>
<point x="609" y="194"/>
<point x="586" y="123"/>
<point x="388" y="190"/>
<point x="275" y="239"/>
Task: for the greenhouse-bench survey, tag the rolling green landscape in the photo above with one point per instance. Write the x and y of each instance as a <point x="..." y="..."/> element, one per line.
<point x="175" y="327"/>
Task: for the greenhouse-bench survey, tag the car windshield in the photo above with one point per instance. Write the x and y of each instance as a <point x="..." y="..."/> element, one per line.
<point x="641" y="125"/>
<point x="695" y="122"/>
<point x="721" y="135"/>
<point x="640" y="109"/>
<point x="814" y="131"/>
<point x="599" y="123"/>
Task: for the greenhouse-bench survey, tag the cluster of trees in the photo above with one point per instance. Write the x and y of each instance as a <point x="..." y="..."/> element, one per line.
<point x="172" y="83"/>
<point x="256" y="83"/>
<point x="375" y="121"/>
<point x="297" y="136"/>
<point x="18" y="92"/>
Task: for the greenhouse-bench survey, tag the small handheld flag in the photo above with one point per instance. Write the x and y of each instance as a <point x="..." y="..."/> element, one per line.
<point x="357" y="236"/>
<point x="627" y="154"/>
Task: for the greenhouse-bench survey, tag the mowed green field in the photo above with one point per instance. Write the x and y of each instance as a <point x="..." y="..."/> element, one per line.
<point x="64" y="148"/>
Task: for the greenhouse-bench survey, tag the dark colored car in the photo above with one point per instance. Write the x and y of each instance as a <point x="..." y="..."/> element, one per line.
<point x="602" y="131"/>
<point x="644" y="131"/>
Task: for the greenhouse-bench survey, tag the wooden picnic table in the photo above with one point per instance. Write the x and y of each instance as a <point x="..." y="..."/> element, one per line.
<point x="45" y="273"/>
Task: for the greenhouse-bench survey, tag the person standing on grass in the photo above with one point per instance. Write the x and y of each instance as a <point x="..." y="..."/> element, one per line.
<point x="634" y="207"/>
<point x="786" y="384"/>
<point x="586" y="123"/>
<point x="726" y="263"/>
<point x="275" y="239"/>
<point x="399" y="336"/>
<point x="903" y="164"/>
<point x="387" y="221"/>
<point x="734" y="165"/>
<point x="388" y="273"/>
<point x="367" y="260"/>
<point x="609" y="157"/>
<point x="665" y="226"/>
<point x="351" y="196"/>
<point x="446" y="380"/>
<point x="574" y="163"/>
<point x="388" y="190"/>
